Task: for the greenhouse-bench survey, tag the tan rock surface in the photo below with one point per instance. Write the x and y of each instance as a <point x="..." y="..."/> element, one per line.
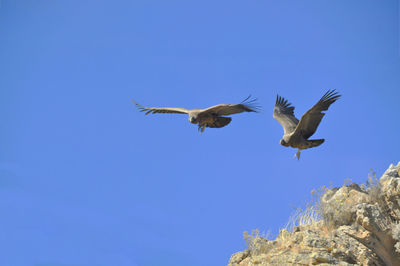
<point x="360" y="225"/>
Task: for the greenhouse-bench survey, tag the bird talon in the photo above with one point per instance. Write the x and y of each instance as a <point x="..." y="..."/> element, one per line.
<point x="297" y="155"/>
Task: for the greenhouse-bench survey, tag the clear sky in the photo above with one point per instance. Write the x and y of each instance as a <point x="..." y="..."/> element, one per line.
<point x="87" y="180"/>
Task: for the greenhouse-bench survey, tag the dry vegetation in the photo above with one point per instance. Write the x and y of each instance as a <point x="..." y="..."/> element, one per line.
<point x="325" y="211"/>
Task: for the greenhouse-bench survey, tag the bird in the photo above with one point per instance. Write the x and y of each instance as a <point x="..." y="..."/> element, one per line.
<point x="211" y="117"/>
<point x="296" y="133"/>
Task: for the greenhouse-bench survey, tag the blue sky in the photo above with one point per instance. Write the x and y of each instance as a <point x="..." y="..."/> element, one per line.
<point x="85" y="179"/>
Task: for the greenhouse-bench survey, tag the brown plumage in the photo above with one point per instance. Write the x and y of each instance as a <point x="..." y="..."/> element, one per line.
<point x="296" y="133"/>
<point x="212" y="117"/>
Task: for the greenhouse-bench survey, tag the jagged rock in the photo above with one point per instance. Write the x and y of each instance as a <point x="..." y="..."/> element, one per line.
<point x="240" y="256"/>
<point x="360" y="226"/>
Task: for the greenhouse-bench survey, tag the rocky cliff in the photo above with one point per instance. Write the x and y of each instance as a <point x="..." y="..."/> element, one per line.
<point x="356" y="225"/>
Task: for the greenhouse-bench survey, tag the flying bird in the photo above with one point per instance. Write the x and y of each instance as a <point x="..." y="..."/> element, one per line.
<point x="296" y="133"/>
<point x="213" y="117"/>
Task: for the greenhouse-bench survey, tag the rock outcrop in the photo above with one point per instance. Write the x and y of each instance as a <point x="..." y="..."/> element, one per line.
<point x="358" y="225"/>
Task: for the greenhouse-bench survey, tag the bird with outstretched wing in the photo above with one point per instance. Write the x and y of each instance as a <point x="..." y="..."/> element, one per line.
<point x="212" y="117"/>
<point x="296" y="133"/>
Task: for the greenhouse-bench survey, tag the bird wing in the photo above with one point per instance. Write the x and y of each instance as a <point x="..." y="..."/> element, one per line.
<point x="246" y="105"/>
<point x="309" y="122"/>
<point x="155" y="110"/>
<point x="283" y="113"/>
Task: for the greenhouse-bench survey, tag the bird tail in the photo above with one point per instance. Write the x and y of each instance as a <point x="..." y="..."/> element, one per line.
<point x="314" y="143"/>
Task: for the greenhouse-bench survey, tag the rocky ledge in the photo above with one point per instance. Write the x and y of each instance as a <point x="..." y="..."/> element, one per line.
<point x="357" y="225"/>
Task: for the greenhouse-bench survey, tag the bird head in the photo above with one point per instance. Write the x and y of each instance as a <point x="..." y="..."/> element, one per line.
<point x="193" y="119"/>
<point x="284" y="143"/>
